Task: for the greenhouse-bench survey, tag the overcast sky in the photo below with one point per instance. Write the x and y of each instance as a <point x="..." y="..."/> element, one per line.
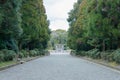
<point x="57" y="12"/>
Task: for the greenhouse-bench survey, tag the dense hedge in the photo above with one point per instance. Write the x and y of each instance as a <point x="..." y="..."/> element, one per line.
<point x="96" y="54"/>
<point x="9" y="55"/>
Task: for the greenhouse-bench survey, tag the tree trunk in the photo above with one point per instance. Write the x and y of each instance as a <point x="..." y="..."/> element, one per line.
<point x="103" y="44"/>
<point x="16" y="56"/>
<point x="118" y="42"/>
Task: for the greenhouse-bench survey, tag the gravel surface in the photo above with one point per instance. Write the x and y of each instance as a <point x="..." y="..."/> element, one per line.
<point x="59" y="67"/>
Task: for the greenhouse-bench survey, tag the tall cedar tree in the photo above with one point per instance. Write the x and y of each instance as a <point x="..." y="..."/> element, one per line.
<point x="34" y="24"/>
<point x="10" y="24"/>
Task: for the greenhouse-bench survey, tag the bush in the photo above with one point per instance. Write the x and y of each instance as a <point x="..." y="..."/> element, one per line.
<point x="108" y="56"/>
<point x="8" y="55"/>
<point x="117" y="55"/>
<point x="32" y="53"/>
<point x="94" y="53"/>
<point x="81" y="53"/>
<point x="21" y="55"/>
<point x="37" y="52"/>
<point x="25" y="53"/>
<point x="44" y="52"/>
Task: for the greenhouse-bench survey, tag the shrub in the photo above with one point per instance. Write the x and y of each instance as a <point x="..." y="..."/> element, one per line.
<point x="32" y="53"/>
<point x="21" y="55"/>
<point x="81" y="53"/>
<point x="25" y="53"/>
<point x="117" y="55"/>
<point x="38" y="52"/>
<point x="94" y="53"/>
<point x="8" y="55"/>
<point x="44" y="52"/>
<point x="104" y="55"/>
<point x="108" y="56"/>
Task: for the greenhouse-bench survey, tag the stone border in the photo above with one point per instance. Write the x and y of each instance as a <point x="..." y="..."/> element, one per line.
<point x="18" y="63"/>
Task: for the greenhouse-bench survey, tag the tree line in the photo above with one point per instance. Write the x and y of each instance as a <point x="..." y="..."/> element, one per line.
<point x="94" y="24"/>
<point x="58" y="36"/>
<point x="23" y="25"/>
<point x="95" y="29"/>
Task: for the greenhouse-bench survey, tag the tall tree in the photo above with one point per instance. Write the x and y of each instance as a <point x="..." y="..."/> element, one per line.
<point x="34" y="24"/>
<point x="10" y="24"/>
<point x="95" y="23"/>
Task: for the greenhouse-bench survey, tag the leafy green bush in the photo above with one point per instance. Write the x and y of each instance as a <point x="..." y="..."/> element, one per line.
<point x="25" y="53"/>
<point x="104" y="55"/>
<point x="108" y="56"/>
<point x="21" y="55"/>
<point x="81" y="53"/>
<point x="117" y="55"/>
<point x="94" y="53"/>
<point x="32" y="53"/>
<point x="8" y="55"/>
<point x="38" y="52"/>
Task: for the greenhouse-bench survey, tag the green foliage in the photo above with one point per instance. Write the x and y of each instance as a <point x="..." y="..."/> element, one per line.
<point x="94" y="53"/>
<point x="58" y="37"/>
<point x="1" y="56"/>
<point x="23" y="25"/>
<point x="9" y="55"/>
<point x="25" y="53"/>
<point x="94" y="23"/>
<point x="117" y="56"/>
<point x="36" y="52"/>
<point x="33" y="53"/>
<point x="109" y="56"/>
<point x="94" y="26"/>
<point x="21" y="55"/>
<point x="10" y="24"/>
<point x="34" y="24"/>
<point x="81" y="53"/>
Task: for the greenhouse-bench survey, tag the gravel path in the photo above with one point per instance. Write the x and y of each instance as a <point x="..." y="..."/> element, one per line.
<point x="59" y="67"/>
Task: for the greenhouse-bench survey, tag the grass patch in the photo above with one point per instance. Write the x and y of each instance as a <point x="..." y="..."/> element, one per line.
<point x="3" y="64"/>
<point x="113" y="64"/>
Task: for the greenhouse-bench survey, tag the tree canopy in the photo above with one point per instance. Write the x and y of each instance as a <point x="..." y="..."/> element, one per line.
<point x="58" y="37"/>
<point x="23" y="24"/>
<point x="94" y="24"/>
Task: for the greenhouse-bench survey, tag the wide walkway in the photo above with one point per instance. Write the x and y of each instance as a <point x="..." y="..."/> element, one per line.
<point x="59" y="67"/>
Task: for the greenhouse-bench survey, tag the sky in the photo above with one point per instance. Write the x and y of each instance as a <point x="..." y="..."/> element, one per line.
<point x="57" y="13"/>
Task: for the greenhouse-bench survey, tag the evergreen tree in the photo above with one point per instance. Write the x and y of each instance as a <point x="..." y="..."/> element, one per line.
<point x="34" y="24"/>
<point x="94" y="23"/>
<point x="10" y="24"/>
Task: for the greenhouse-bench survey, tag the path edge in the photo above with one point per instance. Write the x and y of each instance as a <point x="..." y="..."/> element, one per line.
<point x="97" y="62"/>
